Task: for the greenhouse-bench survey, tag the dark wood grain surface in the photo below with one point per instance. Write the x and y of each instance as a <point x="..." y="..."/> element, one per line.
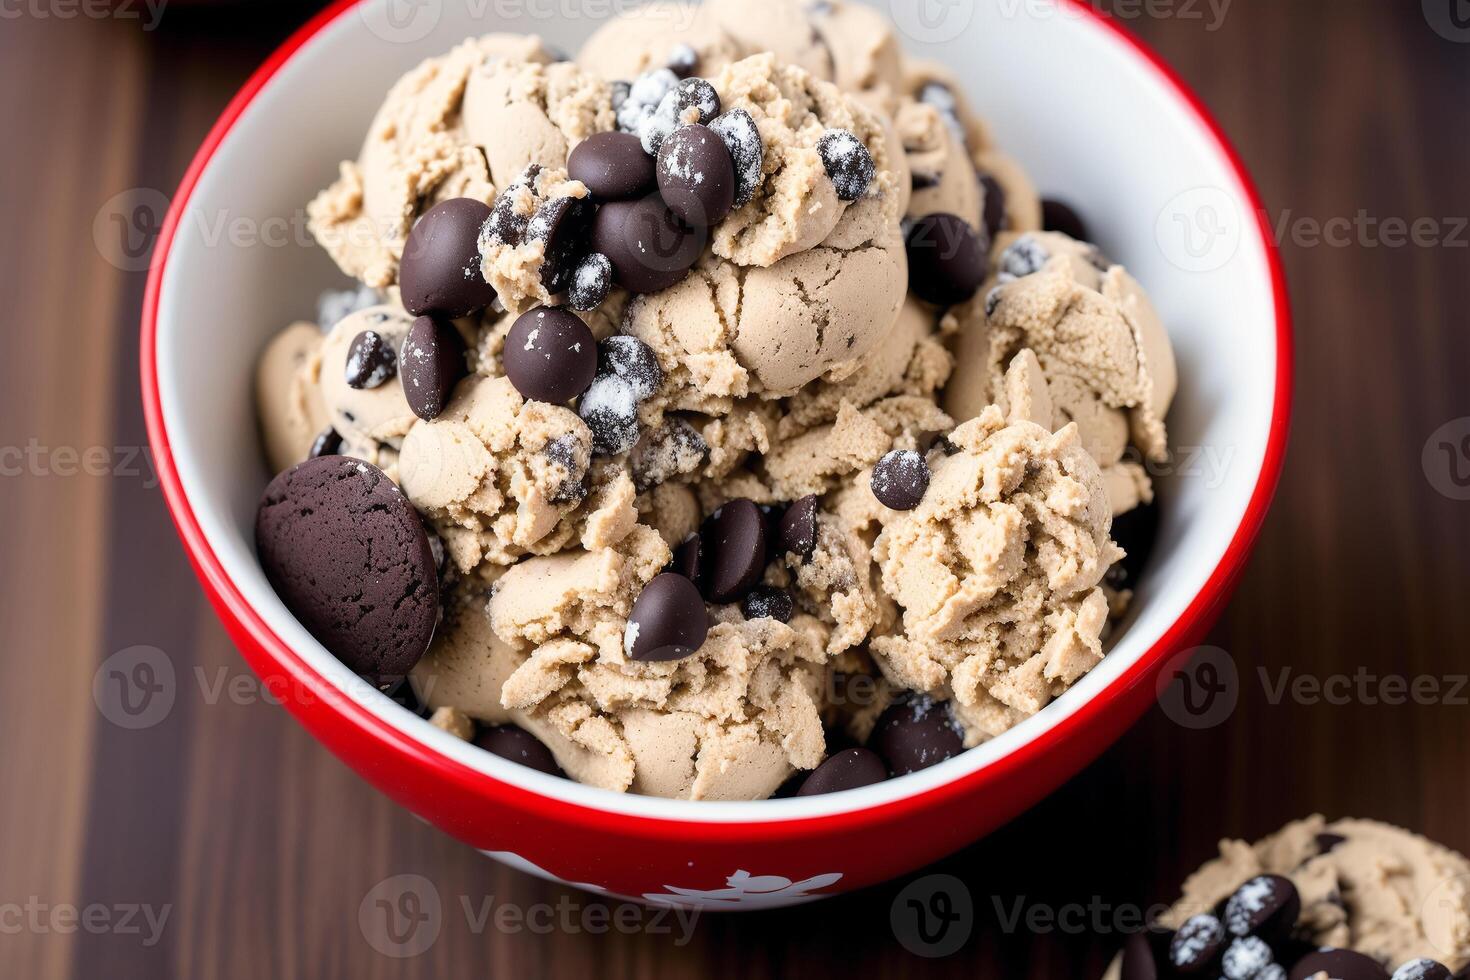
<point x="260" y="846"/>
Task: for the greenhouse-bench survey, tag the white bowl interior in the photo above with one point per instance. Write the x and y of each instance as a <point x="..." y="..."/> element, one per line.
<point x="1089" y="119"/>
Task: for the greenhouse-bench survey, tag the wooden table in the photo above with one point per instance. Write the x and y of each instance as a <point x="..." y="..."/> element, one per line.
<point x="261" y="845"/>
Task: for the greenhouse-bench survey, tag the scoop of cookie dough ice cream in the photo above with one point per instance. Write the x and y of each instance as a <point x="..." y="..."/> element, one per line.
<point x="1362" y="885"/>
<point x="496" y="474"/>
<point x="417" y="154"/>
<point x="726" y="331"/>
<point x="684" y="37"/>
<point x="288" y="398"/>
<point x="798" y="204"/>
<point x="997" y="572"/>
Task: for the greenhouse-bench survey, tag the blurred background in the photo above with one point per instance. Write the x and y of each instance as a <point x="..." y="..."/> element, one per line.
<point x="223" y="842"/>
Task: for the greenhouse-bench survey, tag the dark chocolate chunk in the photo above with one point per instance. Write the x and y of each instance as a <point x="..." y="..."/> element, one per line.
<point x="947" y="259"/>
<point x="743" y="139"/>
<point x="668" y="621"/>
<point x="439" y="273"/>
<point x="1197" y="946"/>
<point x="672" y="449"/>
<point x="1266" y="906"/>
<point x="1143" y="954"/>
<point x="766" y="602"/>
<point x="847" y="162"/>
<point x="507" y="225"/>
<point x="613" y="166"/>
<point x="1060" y="216"/>
<point x="696" y="176"/>
<point x="591" y="283"/>
<point x="1245" y="958"/>
<point x="1339" y="964"/>
<point x="650" y="249"/>
<point x="431" y="363"/>
<point x="914" y="733"/>
<point x="683" y="60"/>
<point x="627" y="374"/>
<point x="900" y="479"/>
<point x="735" y="550"/>
<point x="563" y="224"/>
<point x="520" y="746"/>
<point x="695" y="95"/>
<point x="348" y="555"/>
<point x="688" y="559"/>
<point x="1135" y="532"/>
<point x="328" y="442"/>
<point x="995" y="206"/>
<point x="1326" y="842"/>
<point x="371" y="361"/>
<point x="798" y="529"/>
<point x="550" y="355"/>
<point x="1423" y="969"/>
<point x="847" y="769"/>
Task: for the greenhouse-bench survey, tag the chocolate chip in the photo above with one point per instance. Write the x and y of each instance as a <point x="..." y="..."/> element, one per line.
<point x="1422" y="969"/>
<point x="370" y="361"/>
<point x="1024" y="257"/>
<point x="431" y="364"/>
<point x="590" y="283"/>
<point x="563" y="224"/>
<point x="1339" y="964"/>
<point x="1059" y="216"/>
<point x="613" y="166"/>
<point x="439" y="273"/>
<point x="565" y="451"/>
<point x="328" y="442"/>
<point x="735" y="550"/>
<point x="696" y="176"/>
<point x="698" y="96"/>
<point x="506" y="224"/>
<point x="946" y="259"/>
<point x="1326" y="842"/>
<point x="847" y="769"/>
<point x="915" y="733"/>
<point x="1197" y="946"/>
<point x="1135" y="532"/>
<point x="847" y="162"/>
<point x="765" y="602"/>
<point x="688" y="559"/>
<point x="743" y="139"/>
<point x="627" y="374"/>
<point x="1245" y="958"/>
<point x="519" y="746"/>
<point x="1266" y="906"/>
<point x="550" y="355"/>
<point x="1273" y="972"/>
<point x="348" y="555"/>
<point x="668" y="621"/>
<point x="995" y="206"/>
<point x="674" y="448"/>
<point x="683" y="60"/>
<point x="650" y="249"/>
<point x="1142" y="954"/>
<point x="619" y="91"/>
<point x="900" y="479"/>
<point x="798" y="530"/>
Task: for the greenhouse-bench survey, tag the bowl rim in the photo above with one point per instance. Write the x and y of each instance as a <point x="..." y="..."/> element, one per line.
<point x="732" y="817"/>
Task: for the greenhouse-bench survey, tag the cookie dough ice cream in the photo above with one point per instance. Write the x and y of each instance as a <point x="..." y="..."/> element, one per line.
<point x="1342" y="899"/>
<point x="727" y="370"/>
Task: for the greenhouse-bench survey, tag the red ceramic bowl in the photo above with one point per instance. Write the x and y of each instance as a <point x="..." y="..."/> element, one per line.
<point x="1099" y="120"/>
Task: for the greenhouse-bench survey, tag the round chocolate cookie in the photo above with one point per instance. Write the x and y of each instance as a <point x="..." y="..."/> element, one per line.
<point x="348" y="555"/>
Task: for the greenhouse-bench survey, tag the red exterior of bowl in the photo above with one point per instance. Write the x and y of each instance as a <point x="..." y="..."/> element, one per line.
<point x="635" y="856"/>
